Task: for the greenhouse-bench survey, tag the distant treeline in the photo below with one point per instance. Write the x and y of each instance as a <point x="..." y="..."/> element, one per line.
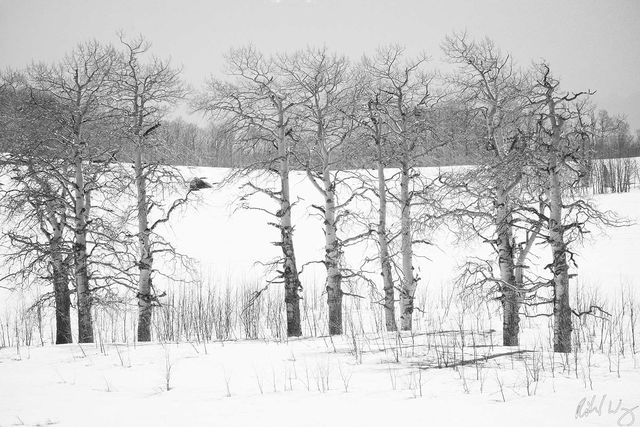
<point x="214" y="145"/>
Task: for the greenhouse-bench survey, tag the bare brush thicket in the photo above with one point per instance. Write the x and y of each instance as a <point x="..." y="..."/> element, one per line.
<point x="91" y="158"/>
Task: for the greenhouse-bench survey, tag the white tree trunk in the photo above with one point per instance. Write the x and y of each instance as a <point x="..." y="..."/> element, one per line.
<point x="385" y="260"/>
<point x="290" y="269"/>
<point x="406" y="249"/>
<point x="509" y="284"/>
<point x="561" y="308"/>
<point x="145" y="263"/>
<point x="60" y="284"/>
<point x="85" y="327"/>
<point x="332" y="257"/>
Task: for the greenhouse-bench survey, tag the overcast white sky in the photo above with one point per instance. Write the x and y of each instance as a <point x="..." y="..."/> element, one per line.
<point x="592" y="44"/>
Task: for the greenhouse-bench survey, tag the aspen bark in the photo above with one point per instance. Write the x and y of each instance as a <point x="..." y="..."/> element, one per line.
<point x="408" y="279"/>
<point x="59" y="269"/>
<point x="290" y="269"/>
<point x="561" y="308"/>
<point x="509" y="285"/>
<point x="85" y="324"/>
<point x="145" y="263"/>
<point x="332" y="258"/>
<point x="60" y="288"/>
<point x="385" y="260"/>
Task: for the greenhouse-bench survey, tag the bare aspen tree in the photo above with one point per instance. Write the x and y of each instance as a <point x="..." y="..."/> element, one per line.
<point x="80" y="86"/>
<point x="494" y="90"/>
<point x="562" y="141"/>
<point x="62" y="149"/>
<point x="405" y="95"/>
<point x="145" y="88"/>
<point x="371" y="135"/>
<point x="326" y="84"/>
<point x="258" y="106"/>
<point x="49" y="210"/>
<point x="378" y="133"/>
<point x="37" y="242"/>
<point x="38" y="249"/>
<point x="56" y="218"/>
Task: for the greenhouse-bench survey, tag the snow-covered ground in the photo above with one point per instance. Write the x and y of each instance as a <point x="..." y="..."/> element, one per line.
<point x="301" y="383"/>
<point x="360" y="379"/>
<point x="228" y="242"/>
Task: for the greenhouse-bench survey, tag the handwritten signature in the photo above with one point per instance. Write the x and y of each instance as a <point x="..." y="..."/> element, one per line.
<point x="596" y="406"/>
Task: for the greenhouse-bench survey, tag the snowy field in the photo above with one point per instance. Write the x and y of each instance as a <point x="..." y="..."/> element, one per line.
<point x="449" y="372"/>
<point x="227" y="242"/>
<point x="300" y="383"/>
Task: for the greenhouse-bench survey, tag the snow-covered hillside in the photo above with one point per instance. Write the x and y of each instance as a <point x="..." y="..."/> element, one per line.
<point x="228" y="242"/>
